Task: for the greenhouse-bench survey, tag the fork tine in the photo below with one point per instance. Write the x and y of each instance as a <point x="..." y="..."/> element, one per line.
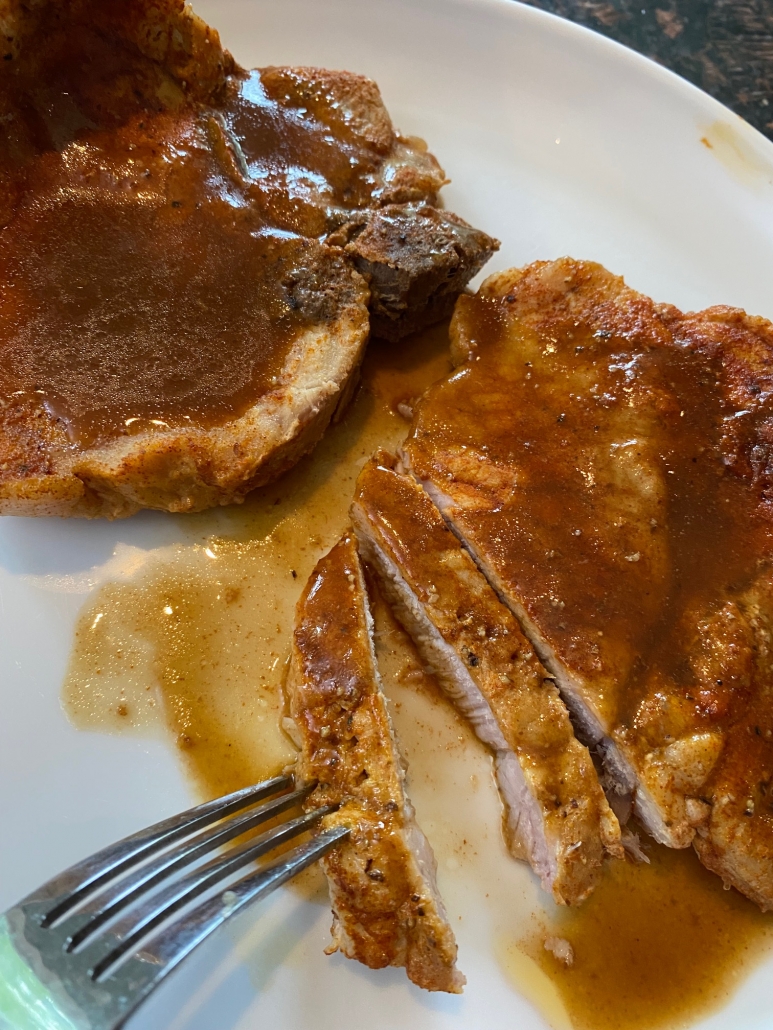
<point x="133" y="981"/>
<point x="70" y="887"/>
<point x="117" y="895"/>
<point x="139" y="922"/>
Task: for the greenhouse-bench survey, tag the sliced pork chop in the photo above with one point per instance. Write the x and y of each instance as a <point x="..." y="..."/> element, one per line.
<point x="557" y="817"/>
<point x="606" y="461"/>
<point x="386" y="906"/>
<point x="188" y="254"/>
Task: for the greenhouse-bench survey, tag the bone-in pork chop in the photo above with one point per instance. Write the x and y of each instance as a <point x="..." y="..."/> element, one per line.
<point x="190" y="257"/>
<point x="607" y="461"/>
<point x="386" y="908"/>
<point x="557" y="817"/>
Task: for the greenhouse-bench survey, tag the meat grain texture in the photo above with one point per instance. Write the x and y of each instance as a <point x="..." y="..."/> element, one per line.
<point x="386" y="906"/>
<point x="556" y="815"/>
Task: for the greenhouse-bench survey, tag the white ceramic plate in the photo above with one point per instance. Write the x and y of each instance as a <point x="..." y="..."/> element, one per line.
<point x="558" y="142"/>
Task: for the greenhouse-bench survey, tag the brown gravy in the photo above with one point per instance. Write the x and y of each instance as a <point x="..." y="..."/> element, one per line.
<point x="657" y="945"/>
<point x="305" y="162"/>
<point x="615" y="499"/>
<point x="159" y="255"/>
<point x="187" y="650"/>
<point x="226" y="703"/>
<point x="186" y="324"/>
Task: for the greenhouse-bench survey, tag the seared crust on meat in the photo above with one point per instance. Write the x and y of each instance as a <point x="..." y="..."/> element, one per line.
<point x="734" y="814"/>
<point x="386" y="909"/>
<point x="167" y="32"/>
<point x="417" y="259"/>
<point x="150" y="112"/>
<point x="606" y="460"/>
<point x="557" y="816"/>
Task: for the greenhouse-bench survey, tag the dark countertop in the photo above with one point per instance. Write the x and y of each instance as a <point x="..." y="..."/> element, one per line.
<point x="723" y="46"/>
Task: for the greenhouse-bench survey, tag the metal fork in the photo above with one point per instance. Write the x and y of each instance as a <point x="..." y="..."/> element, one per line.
<point x="84" y="950"/>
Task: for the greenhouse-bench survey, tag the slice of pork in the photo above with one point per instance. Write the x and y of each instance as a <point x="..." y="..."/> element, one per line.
<point x="556" y="814"/>
<point x="383" y="890"/>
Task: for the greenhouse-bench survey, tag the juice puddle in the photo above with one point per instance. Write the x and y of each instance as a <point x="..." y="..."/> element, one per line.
<point x="656" y="945"/>
<point x="194" y="638"/>
<point x="185" y="646"/>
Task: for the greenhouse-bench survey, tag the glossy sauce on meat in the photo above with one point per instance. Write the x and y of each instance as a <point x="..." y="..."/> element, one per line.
<point x="611" y="505"/>
<point x="305" y="167"/>
<point x="120" y="309"/>
<point x="158" y="255"/>
<point x="608" y="460"/>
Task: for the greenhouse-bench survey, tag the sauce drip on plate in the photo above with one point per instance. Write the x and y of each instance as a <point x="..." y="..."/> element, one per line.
<point x="656" y="945"/>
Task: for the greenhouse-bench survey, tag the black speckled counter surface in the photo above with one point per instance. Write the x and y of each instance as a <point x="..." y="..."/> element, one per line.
<point x="723" y="46"/>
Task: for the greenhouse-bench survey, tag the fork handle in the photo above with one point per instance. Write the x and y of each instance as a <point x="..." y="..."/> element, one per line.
<point x="34" y="996"/>
<point x="25" y="1003"/>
